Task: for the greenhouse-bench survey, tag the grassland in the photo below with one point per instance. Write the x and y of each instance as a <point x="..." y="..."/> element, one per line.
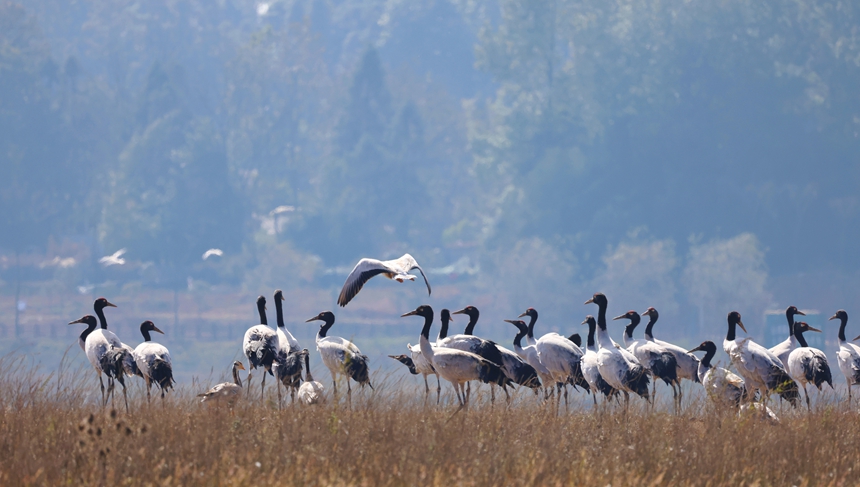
<point x="52" y="433"/>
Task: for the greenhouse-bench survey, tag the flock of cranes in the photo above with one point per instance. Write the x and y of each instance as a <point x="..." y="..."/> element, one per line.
<point x="545" y="364"/>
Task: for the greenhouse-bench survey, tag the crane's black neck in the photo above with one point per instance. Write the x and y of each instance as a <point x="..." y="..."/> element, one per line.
<point x="328" y="323"/>
<point x="279" y="312"/>
<point x="652" y="319"/>
<point x="100" y="312"/>
<point x="428" y="322"/>
<point x="709" y="354"/>
<point x="533" y="316"/>
<point x="473" y="320"/>
<point x="443" y="331"/>
<point x="799" y="335"/>
<point x="308" y="375"/>
<point x="730" y="335"/>
<point x="634" y="322"/>
<point x="591" y="326"/>
<point x="146" y="336"/>
<point x="789" y="316"/>
<point x="91" y="326"/>
<point x="842" y="322"/>
<point x="518" y="338"/>
<point x="236" y="378"/>
<point x="261" y="308"/>
<point x="601" y="315"/>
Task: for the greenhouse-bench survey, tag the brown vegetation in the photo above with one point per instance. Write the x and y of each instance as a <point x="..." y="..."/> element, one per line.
<point x="51" y="433"/>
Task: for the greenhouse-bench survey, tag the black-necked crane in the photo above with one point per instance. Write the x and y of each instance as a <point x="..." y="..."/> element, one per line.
<point x="530" y="355"/>
<point x="515" y="368"/>
<point x="560" y="355"/>
<point x="397" y="269"/>
<point x="418" y="364"/>
<point x="616" y="365"/>
<point x="91" y="323"/>
<point x="153" y="360"/>
<point x="688" y="364"/>
<point x="806" y="364"/>
<point x="287" y="365"/>
<point x="311" y="391"/>
<point x="723" y="387"/>
<point x="477" y="345"/>
<point x="760" y="369"/>
<point x="99" y="342"/>
<point x="590" y="369"/>
<point x="848" y="355"/>
<point x="225" y="392"/>
<point x="455" y="366"/>
<point x="659" y="361"/>
<point x="260" y="345"/>
<point x="784" y="348"/>
<point x="340" y="355"/>
<point x="95" y="349"/>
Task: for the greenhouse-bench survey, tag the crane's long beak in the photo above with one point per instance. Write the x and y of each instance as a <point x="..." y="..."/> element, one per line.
<point x="645" y="313"/>
<point x="241" y="367"/>
<point x="858" y="338"/>
<point x="108" y="303"/>
<point x="809" y="328"/>
<point x="460" y="312"/>
<point x="523" y="314"/>
<point x="801" y="313"/>
<point x="741" y="324"/>
<point x="79" y="320"/>
<point x="591" y="300"/>
<point x="834" y="317"/>
<point x="411" y="313"/>
<point x="620" y="317"/>
<point x="313" y="319"/>
<point x="155" y="328"/>
<point x="584" y="322"/>
<point x="695" y="349"/>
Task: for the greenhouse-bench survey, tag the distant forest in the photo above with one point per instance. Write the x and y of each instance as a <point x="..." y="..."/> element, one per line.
<point x="694" y="156"/>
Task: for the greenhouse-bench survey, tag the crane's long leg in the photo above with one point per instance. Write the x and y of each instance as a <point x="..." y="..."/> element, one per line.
<point x="104" y="401"/>
<point x="334" y="384"/>
<point x="279" y="392"/>
<point x="806" y="393"/>
<point x="847" y="381"/>
<point x="110" y="391"/>
<point x="438" y="389"/>
<point x="457" y="391"/>
<point x="626" y="401"/>
<point x="426" y="387"/>
<point x="263" y="387"/>
<point x="348" y="391"/>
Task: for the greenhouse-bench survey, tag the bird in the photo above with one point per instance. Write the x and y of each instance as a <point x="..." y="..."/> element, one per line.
<point x="153" y="360"/>
<point x="225" y="392"/>
<point x="784" y="348"/>
<point x="260" y="344"/>
<point x="590" y="369"/>
<point x="287" y="365"/>
<point x="107" y="361"/>
<point x="688" y="364"/>
<point x="659" y="361"/>
<point x="417" y="364"/>
<point x="397" y="269"/>
<point x="559" y="355"/>
<point x="848" y="355"/>
<point x="311" y="391"/>
<point x="806" y="364"/>
<point x="99" y="342"/>
<point x="471" y="343"/>
<point x="455" y="366"/>
<point x="760" y="369"/>
<point x="113" y="259"/>
<point x="91" y="323"/>
<point x="723" y="387"/>
<point x="616" y="365"/>
<point x="211" y="252"/>
<point x="529" y="354"/>
<point x="340" y="356"/>
<point x="515" y="368"/>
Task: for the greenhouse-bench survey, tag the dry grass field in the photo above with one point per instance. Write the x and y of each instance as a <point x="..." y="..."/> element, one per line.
<point x="51" y="433"/>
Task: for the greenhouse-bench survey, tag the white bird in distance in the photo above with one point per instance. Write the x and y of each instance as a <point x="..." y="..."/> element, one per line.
<point x="113" y="259"/>
<point x="397" y="269"/>
<point x="211" y="252"/>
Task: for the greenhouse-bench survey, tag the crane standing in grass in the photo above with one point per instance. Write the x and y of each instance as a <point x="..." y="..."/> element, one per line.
<point x="260" y="345"/>
<point x="340" y="356"/>
<point x="225" y="392"/>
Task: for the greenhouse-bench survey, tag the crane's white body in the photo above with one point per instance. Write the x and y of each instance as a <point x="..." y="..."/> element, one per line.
<point x="455" y="366"/>
<point x="97" y="344"/>
<point x="806" y="365"/>
<point x="646" y="352"/>
<point x="335" y="353"/>
<point x="722" y="386"/>
<point x="223" y="392"/>
<point x="145" y="356"/>
<point x="259" y="333"/>
<point x="848" y="358"/>
<point x="530" y="356"/>
<point x="688" y="364"/>
<point x="559" y="355"/>
<point x="286" y="341"/>
<point x="614" y="362"/>
<point x="783" y="349"/>
<point x="365" y="269"/>
<point x="753" y="362"/>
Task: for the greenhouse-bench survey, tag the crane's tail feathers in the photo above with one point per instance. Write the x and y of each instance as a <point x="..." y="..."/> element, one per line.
<point x="787" y="388"/>
<point x="162" y="374"/>
<point x="356" y="368"/>
<point x="820" y="372"/>
<point x="666" y="368"/>
<point x="637" y="380"/>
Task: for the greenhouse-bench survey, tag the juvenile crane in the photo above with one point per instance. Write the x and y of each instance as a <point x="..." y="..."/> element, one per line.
<point x="397" y="269"/>
<point x="311" y="391"/>
<point x="225" y="392"/>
